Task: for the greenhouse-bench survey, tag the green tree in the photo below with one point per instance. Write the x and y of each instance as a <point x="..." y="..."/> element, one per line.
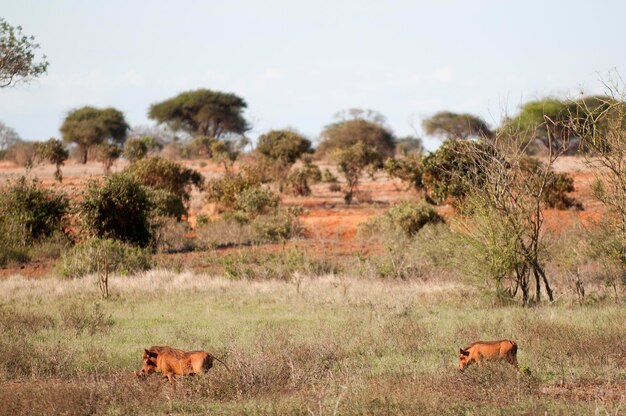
<point x="202" y="113"/>
<point x="344" y="134"/>
<point x="119" y="208"/>
<point x="54" y="152"/>
<point x="357" y="145"/>
<point x="453" y="126"/>
<point x="17" y="56"/>
<point x="281" y="148"/>
<point x="90" y="126"/>
<point x="550" y="121"/>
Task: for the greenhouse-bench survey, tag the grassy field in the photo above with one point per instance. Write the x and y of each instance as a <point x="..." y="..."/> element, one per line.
<point x="329" y="345"/>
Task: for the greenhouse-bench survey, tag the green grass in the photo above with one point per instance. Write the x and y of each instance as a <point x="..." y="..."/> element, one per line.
<point x="354" y="346"/>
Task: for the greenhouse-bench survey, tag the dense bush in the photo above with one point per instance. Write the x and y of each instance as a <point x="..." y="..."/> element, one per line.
<point x="224" y="191"/>
<point x="96" y="254"/>
<point x="256" y="200"/>
<point x="408" y="168"/>
<point x="158" y="173"/>
<point x="39" y="211"/>
<point x="119" y="208"/>
<point x="135" y="149"/>
<point x="456" y="167"/>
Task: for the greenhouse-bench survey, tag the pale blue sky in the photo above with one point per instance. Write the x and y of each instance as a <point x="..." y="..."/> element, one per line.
<point x="297" y="63"/>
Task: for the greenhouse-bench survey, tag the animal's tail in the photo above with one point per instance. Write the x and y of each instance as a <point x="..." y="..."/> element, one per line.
<point x="223" y="363"/>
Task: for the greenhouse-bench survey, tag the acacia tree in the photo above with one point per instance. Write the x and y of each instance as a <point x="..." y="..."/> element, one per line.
<point x="17" y="56"/>
<point x="453" y="126"/>
<point x="281" y="149"/>
<point x="202" y="113"/>
<point x="552" y="122"/>
<point x="90" y="126"/>
<point x="54" y="152"/>
<point x="356" y="145"/>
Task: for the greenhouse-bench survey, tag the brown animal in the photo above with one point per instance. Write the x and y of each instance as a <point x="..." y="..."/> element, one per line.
<point x="489" y="350"/>
<point x="172" y="361"/>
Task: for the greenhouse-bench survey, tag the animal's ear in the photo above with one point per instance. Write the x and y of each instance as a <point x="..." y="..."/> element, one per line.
<point x="146" y="353"/>
<point x="463" y="352"/>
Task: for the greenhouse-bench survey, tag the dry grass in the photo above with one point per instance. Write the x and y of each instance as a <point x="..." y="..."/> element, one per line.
<point x="327" y="345"/>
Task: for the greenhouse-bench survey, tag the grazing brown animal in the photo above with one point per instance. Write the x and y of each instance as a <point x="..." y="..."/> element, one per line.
<point x="172" y="361"/>
<point x="489" y="350"/>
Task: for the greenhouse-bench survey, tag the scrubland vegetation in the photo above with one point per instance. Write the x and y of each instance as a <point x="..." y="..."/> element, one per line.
<point x="485" y="239"/>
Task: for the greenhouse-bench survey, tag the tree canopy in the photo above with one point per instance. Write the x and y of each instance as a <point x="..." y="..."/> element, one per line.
<point x="549" y="120"/>
<point x="284" y="146"/>
<point x="202" y="112"/>
<point x="17" y="56"/>
<point x="90" y="126"/>
<point x="453" y="126"/>
<point x="344" y="134"/>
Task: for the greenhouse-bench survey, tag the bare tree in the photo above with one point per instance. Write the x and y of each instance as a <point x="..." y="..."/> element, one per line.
<point x="604" y="132"/>
<point x="502" y="218"/>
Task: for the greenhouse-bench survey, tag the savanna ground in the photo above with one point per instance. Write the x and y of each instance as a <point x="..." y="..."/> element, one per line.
<point x="329" y="338"/>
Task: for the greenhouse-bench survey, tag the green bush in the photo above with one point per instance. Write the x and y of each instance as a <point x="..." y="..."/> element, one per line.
<point x="40" y="211"/>
<point x="408" y="168"/>
<point x="456" y="167"/>
<point x="96" y="255"/>
<point x="158" y="173"/>
<point x="119" y="208"/>
<point x="256" y="200"/>
<point x="224" y="191"/>
<point x="166" y="204"/>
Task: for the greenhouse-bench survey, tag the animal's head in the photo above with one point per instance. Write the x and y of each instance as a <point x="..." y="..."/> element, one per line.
<point x="464" y="359"/>
<point x="149" y="362"/>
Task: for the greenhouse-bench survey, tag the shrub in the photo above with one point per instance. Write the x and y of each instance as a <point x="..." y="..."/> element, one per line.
<point x="408" y="168"/>
<point x="456" y="167"/>
<point x="158" y="173"/>
<point x="119" y="208"/>
<point x="224" y="191"/>
<point x="96" y="255"/>
<point x="256" y="200"/>
<point x="279" y="227"/>
<point x="406" y="217"/>
<point x="166" y="204"/>
<point x="135" y="149"/>
<point x="26" y="204"/>
<point x="298" y="180"/>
